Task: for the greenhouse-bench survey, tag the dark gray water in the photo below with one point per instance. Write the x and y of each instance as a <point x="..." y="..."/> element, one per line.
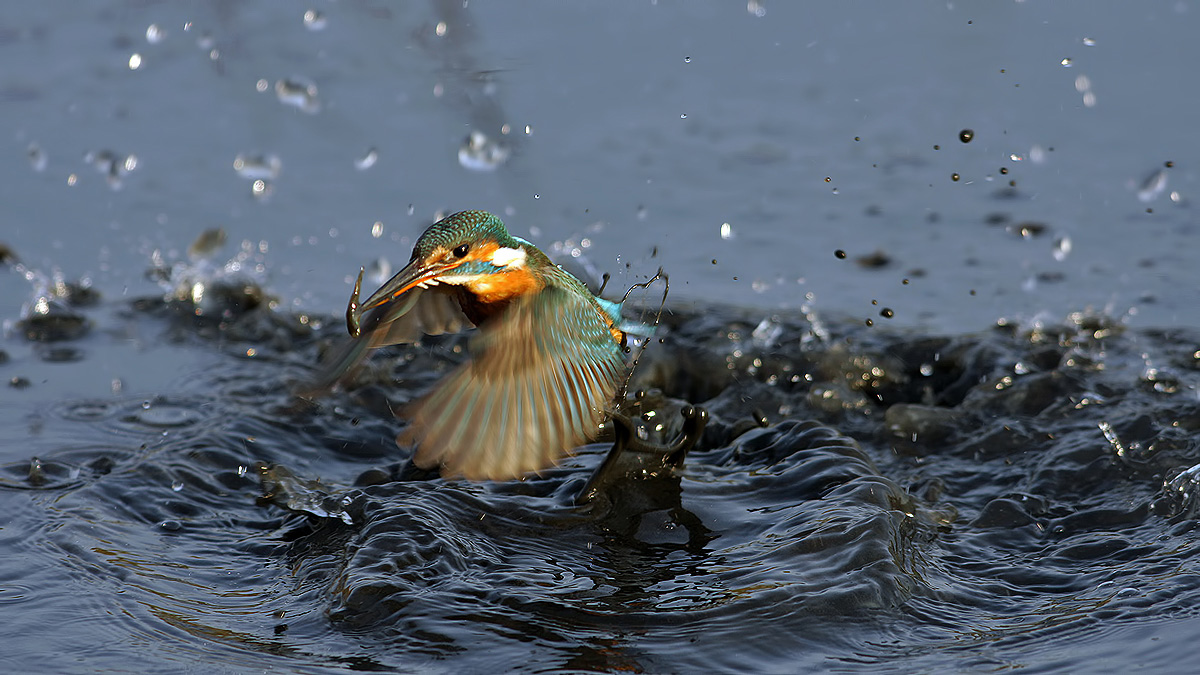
<point x="999" y="476"/>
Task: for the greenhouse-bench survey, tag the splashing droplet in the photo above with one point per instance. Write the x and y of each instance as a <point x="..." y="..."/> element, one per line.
<point x="1062" y="248"/>
<point x="480" y="153"/>
<point x="367" y="161"/>
<point x="298" y="93"/>
<point x="314" y="20"/>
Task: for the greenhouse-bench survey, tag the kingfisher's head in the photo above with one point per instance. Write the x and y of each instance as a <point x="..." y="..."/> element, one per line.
<point x="465" y="249"/>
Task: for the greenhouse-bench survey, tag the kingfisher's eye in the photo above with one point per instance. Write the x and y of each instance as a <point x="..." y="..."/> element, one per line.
<point x="462" y="250"/>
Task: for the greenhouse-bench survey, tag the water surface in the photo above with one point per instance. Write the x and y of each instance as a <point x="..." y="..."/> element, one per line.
<point x="996" y="473"/>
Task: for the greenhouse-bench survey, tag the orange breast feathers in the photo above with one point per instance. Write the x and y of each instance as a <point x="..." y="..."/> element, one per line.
<point x="505" y="285"/>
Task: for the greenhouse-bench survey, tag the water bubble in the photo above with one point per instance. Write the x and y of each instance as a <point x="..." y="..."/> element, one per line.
<point x="257" y="167"/>
<point x="314" y="20"/>
<point x="440" y="29"/>
<point x="367" y="161"/>
<point x="1089" y="42"/>
<point x="687" y="59"/>
<point x="1066" y="63"/>
<point x="155" y="34"/>
<point x="480" y="153"/>
<point x="727" y="231"/>
<point x="756" y="8"/>
<point x="135" y="61"/>
<point x="1083" y="83"/>
<point x="839" y="254"/>
<point x="260" y="189"/>
<point x="262" y="85"/>
<point x="966" y="135"/>
<point x="683" y="116"/>
<point x="298" y="93"/>
<point x="377" y="229"/>
<point x="177" y="486"/>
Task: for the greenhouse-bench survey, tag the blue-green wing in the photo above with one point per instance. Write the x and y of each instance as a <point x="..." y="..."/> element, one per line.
<point x="540" y="380"/>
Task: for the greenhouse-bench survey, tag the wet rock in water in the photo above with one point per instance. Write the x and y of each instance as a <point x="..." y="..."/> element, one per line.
<point x="217" y="299"/>
<point x="53" y="321"/>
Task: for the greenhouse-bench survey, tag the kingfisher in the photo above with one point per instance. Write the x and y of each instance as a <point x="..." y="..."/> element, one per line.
<point x="546" y="361"/>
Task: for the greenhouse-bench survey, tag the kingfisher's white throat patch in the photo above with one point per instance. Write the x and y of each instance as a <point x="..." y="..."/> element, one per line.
<point x="509" y="257"/>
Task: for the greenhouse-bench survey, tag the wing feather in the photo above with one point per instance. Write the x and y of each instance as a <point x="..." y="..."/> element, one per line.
<point x="542" y="374"/>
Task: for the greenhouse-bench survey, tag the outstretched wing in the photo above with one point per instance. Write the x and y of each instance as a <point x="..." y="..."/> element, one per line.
<point x="541" y="376"/>
<point x="419" y="312"/>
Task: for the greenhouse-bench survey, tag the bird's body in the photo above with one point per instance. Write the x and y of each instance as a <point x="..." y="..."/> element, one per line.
<point x="546" y="361"/>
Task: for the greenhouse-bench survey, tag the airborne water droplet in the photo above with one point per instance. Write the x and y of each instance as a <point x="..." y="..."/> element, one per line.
<point x="367" y="161"/>
<point x="314" y="20"/>
<point x="480" y="153"/>
<point x="1062" y="248"/>
<point x="298" y="93"/>
<point x="257" y="167"/>
<point x="1152" y="186"/>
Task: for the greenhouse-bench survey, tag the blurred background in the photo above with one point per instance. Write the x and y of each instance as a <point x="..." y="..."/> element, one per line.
<point x="1008" y="159"/>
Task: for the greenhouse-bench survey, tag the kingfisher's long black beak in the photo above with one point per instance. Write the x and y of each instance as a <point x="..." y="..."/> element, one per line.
<point x="417" y="274"/>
